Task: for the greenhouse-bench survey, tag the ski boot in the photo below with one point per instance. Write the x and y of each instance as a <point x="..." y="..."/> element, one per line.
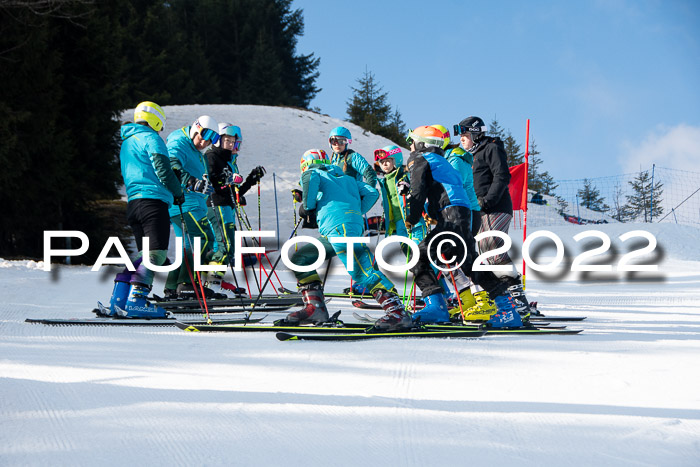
<point x="435" y="310"/>
<point x="119" y="296"/>
<point x="314" y="311"/>
<point x="507" y="316"/>
<point x="467" y="299"/>
<point x="138" y="307"/>
<point x="170" y="294"/>
<point x="214" y="279"/>
<point x="396" y="317"/>
<point x="483" y="309"/>
<point x="515" y="288"/>
<point x="187" y="292"/>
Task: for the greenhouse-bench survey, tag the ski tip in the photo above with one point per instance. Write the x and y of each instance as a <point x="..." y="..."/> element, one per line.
<point x="186" y="327"/>
<point x="285" y="336"/>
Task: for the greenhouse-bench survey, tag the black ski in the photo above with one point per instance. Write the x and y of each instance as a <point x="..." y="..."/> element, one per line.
<point x="345" y="328"/>
<point x="233" y="302"/>
<point x="286" y="336"/>
<point x="132" y="321"/>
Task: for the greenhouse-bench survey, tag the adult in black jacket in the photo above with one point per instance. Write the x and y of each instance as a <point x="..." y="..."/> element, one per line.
<point x="491" y="180"/>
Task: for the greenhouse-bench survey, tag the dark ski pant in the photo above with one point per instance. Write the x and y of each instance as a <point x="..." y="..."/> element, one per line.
<point x="195" y="226"/>
<point x="454" y="220"/>
<point x="148" y="218"/>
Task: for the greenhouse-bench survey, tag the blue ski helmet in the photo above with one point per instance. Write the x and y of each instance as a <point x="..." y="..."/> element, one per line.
<point x="340" y="131"/>
<point x="229" y="129"/>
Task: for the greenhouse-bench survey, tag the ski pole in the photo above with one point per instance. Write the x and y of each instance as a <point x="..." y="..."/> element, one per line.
<point x="259" y="230"/>
<point x="201" y="300"/>
<point x="277" y="211"/>
<point x="252" y="308"/>
<point x="245" y="221"/>
<point x="240" y="221"/>
<point x="228" y="248"/>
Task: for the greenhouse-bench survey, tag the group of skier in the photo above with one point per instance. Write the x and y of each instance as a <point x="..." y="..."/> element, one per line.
<point x="192" y="182"/>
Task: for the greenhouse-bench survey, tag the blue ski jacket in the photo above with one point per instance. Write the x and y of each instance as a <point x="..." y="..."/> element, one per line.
<point x="462" y="161"/>
<point x="337" y="198"/>
<point x="434" y="180"/>
<point x="356" y="166"/>
<point x="187" y="162"/>
<point x="145" y="166"/>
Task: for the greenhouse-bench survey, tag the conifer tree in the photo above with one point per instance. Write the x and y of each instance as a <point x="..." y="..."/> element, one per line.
<point x="513" y="152"/>
<point x="639" y="204"/>
<point x="538" y="180"/>
<point x="369" y="107"/>
<point x="495" y="129"/>
<point x="589" y="197"/>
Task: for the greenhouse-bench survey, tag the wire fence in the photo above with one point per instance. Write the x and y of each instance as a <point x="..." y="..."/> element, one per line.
<point x="677" y="199"/>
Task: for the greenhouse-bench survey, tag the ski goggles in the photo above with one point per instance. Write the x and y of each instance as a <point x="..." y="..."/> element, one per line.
<point x="339" y="140"/>
<point x="381" y="154"/>
<point x="209" y="135"/>
<point x="412" y="137"/>
<point x="461" y="129"/>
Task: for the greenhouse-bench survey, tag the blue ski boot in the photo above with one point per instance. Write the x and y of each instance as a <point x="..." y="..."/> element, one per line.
<point x="507" y="316"/>
<point x="138" y="307"/>
<point x="435" y="310"/>
<point x="119" y="296"/>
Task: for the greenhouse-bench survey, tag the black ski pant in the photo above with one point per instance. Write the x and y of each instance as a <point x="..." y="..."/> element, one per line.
<point x="149" y="218"/>
<point x="455" y="221"/>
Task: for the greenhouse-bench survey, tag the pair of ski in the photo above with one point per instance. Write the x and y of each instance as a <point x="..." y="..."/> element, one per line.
<point x="109" y="321"/>
<point x="537" y="318"/>
<point x="337" y="330"/>
<point x="239" y="302"/>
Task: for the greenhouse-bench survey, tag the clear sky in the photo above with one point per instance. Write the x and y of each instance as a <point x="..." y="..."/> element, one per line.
<point x="608" y="85"/>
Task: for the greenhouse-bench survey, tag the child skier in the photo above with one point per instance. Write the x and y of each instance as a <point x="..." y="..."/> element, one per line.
<point x="151" y="188"/>
<point x="186" y="148"/>
<point x="335" y="203"/>
<point x="352" y="163"/>
<point x="224" y="175"/>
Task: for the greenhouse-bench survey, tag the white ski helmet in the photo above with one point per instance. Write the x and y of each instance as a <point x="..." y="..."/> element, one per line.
<point x="206" y="127"/>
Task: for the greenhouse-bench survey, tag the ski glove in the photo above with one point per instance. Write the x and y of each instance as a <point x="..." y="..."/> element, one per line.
<point x="403" y="188"/>
<point x="233" y="179"/>
<point x="309" y="218"/>
<point x="255" y="175"/>
<point x="482" y="202"/>
<point x="200" y="186"/>
<point x="297" y="195"/>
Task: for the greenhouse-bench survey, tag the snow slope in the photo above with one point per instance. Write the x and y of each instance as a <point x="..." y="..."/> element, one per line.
<point x="624" y="392"/>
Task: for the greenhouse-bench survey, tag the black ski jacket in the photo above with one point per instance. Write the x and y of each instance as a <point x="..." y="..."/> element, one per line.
<point x="491" y="176"/>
